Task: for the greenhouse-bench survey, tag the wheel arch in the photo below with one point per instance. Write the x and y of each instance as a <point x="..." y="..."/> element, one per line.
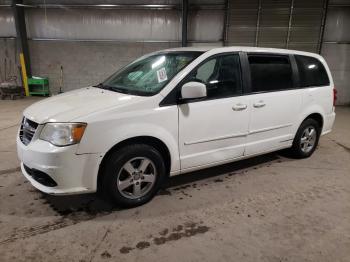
<point x="148" y="140"/>
<point x="317" y="117"/>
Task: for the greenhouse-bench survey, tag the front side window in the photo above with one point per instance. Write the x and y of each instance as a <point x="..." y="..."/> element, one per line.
<point x="221" y="75"/>
<point x="270" y="73"/>
<point x="147" y="76"/>
<point x="311" y="72"/>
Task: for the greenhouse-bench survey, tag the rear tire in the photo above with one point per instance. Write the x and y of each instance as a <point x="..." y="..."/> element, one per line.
<point x="133" y="175"/>
<point x="306" y="139"/>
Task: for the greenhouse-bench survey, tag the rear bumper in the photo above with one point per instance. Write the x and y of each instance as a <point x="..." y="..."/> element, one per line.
<point x="328" y="123"/>
<point x="71" y="172"/>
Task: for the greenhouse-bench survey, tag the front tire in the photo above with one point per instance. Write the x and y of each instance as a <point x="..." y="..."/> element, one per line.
<point x="133" y="175"/>
<point x="306" y="139"/>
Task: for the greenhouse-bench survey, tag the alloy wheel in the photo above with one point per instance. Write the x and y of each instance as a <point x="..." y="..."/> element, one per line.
<point x="136" y="178"/>
<point x="308" y="139"/>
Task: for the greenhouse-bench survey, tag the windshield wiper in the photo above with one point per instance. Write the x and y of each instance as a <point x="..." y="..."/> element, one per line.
<point x="122" y="90"/>
<point x="112" y="88"/>
<point x="102" y="86"/>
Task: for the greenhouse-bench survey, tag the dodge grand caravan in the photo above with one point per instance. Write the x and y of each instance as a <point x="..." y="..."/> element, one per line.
<point x="172" y="112"/>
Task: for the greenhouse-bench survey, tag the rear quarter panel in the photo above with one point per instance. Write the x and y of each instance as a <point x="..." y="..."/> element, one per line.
<point x="319" y="100"/>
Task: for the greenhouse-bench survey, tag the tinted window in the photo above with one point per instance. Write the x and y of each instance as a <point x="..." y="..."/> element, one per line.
<point x="269" y="73"/>
<point x="311" y="71"/>
<point x="221" y="75"/>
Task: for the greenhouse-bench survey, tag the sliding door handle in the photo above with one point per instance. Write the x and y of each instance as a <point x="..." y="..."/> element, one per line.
<point x="239" y="107"/>
<point x="259" y="104"/>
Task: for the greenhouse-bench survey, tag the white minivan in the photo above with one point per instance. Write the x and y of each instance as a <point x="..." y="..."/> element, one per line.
<point x="172" y="112"/>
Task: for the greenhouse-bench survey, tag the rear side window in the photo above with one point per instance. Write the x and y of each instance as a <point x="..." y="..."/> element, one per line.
<point x="311" y="71"/>
<point x="270" y="72"/>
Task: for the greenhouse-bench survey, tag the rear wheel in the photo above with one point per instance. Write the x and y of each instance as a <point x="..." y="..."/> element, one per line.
<point x="306" y="139"/>
<point x="133" y="174"/>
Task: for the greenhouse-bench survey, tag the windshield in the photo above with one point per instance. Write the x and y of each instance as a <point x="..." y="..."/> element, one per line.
<point x="147" y="76"/>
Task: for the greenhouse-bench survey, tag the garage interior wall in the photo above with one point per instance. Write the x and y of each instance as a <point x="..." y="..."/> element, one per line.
<point x="91" y="43"/>
<point x="8" y="48"/>
<point x="293" y="24"/>
<point x="336" y="47"/>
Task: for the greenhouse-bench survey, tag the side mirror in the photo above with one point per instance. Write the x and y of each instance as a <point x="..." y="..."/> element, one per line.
<point x="193" y="90"/>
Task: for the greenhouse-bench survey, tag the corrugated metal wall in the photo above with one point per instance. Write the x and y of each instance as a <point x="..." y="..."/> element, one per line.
<point x="132" y="24"/>
<point x="100" y="24"/>
<point x="123" y="25"/>
<point x="7" y="23"/>
<point x="91" y="42"/>
<point x="94" y="2"/>
<point x="293" y="24"/>
<point x="206" y="26"/>
<point x="336" y="47"/>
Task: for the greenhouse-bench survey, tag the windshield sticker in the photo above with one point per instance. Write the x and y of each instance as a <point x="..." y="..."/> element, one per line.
<point x="161" y="74"/>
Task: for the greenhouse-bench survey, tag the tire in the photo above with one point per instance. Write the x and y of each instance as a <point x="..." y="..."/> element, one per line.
<point x="133" y="175"/>
<point x="306" y="139"/>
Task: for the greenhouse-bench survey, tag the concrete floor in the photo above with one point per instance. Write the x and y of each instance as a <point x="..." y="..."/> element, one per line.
<point x="269" y="208"/>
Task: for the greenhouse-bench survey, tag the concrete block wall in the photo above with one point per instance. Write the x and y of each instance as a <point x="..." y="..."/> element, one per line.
<point x="8" y="59"/>
<point x="84" y="63"/>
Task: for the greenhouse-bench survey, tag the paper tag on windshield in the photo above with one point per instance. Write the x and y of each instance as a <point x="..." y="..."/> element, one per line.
<point x="161" y="74"/>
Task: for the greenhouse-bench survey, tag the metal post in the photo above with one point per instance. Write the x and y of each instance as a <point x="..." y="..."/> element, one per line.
<point x="184" y="22"/>
<point x="323" y="25"/>
<point x="22" y="43"/>
<point x="258" y="24"/>
<point x="290" y="23"/>
<point x="21" y="31"/>
<point x="226" y="20"/>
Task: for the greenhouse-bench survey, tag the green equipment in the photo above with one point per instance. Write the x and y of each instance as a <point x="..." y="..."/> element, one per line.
<point x="38" y="86"/>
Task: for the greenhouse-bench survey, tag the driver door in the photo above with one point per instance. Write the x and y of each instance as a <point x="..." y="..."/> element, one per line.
<point x="214" y="129"/>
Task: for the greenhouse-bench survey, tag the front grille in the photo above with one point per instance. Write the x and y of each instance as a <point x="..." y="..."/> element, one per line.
<point x="27" y="130"/>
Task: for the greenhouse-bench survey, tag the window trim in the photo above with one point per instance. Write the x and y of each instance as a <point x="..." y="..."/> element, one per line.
<point x="246" y="76"/>
<point x="290" y="57"/>
<point x="174" y="94"/>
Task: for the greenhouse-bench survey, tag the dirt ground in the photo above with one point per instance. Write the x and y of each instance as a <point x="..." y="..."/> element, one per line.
<point x="269" y="208"/>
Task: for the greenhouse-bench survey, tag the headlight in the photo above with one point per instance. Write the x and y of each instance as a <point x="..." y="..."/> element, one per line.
<point x="63" y="134"/>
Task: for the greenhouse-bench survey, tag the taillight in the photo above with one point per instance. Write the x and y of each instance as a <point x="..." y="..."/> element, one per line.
<point x="334" y="96"/>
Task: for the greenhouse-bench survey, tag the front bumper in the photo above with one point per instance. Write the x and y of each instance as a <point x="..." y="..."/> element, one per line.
<point x="73" y="173"/>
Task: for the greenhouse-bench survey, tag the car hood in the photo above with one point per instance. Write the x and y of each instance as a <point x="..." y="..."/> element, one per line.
<point x="74" y="104"/>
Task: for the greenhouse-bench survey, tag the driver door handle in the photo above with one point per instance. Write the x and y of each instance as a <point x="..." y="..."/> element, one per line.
<point x="259" y="104"/>
<point x="239" y="107"/>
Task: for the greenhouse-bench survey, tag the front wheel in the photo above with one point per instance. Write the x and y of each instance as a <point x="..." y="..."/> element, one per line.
<point x="306" y="139"/>
<point x="133" y="174"/>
